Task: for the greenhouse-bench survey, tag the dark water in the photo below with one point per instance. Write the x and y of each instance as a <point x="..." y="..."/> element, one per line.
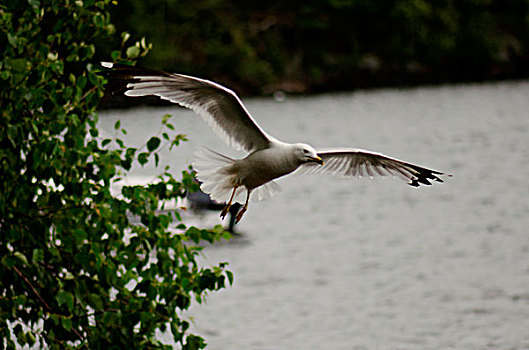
<point x="332" y="263"/>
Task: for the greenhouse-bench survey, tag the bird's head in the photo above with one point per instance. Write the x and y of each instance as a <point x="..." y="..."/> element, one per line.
<point x="306" y="154"/>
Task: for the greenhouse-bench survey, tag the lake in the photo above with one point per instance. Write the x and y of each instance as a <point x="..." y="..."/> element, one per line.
<point x="333" y="263"/>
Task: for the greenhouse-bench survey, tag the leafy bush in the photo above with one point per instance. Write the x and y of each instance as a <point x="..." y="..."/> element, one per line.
<point x="75" y="270"/>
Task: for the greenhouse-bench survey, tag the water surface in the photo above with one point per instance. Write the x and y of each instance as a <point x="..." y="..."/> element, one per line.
<point x="332" y="263"/>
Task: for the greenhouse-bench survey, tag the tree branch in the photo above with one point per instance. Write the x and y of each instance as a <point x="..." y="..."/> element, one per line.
<point x="48" y="308"/>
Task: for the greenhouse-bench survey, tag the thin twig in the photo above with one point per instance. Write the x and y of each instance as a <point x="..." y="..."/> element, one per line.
<point x="33" y="289"/>
<point x="48" y="308"/>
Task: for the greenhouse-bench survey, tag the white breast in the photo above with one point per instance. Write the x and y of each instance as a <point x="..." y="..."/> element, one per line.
<point x="265" y="165"/>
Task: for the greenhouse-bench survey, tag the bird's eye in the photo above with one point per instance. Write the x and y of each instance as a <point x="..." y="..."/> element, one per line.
<point x="306" y="151"/>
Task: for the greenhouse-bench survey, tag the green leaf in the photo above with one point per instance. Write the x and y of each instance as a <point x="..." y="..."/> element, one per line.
<point x="133" y="51"/>
<point x="96" y="301"/>
<point x="194" y="342"/>
<point x="177" y="335"/>
<point x="80" y="236"/>
<point x="116" y="54"/>
<point x="143" y="158"/>
<point x="125" y="36"/>
<point x="5" y="74"/>
<point x="165" y="118"/>
<point x="120" y="143"/>
<point x="18" y="64"/>
<point x="126" y="164"/>
<point x="66" y="323"/>
<point x="21" y="257"/>
<point x="12" y="39"/>
<point x="94" y="79"/>
<point x="30" y="338"/>
<point x="19" y="333"/>
<point x="229" y="274"/>
<point x="81" y="82"/>
<point x="38" y="256"/>
<point x="65" y="298"/>
<point x="153" y="143"/>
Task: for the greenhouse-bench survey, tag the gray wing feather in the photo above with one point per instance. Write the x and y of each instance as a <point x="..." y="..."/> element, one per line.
<point x="357" y="162"/>
<point x="220" y="107"/>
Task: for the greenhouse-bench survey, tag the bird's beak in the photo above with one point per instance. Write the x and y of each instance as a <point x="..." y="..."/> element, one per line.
<point x="317" y="160"/>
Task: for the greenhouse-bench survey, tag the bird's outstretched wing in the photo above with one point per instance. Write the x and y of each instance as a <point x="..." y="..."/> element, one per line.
<point x="218" y="106"/>
<point x="357" y="162"/>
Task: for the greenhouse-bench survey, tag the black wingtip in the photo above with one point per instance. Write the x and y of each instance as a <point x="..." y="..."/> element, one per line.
<point x="121" y="70"/>
<point x="118" y="76"/>
<point x="426" y="176"/>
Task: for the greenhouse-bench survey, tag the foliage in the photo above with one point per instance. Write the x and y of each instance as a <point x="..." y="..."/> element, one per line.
<point x="77" y="269"/>
<point x="334" y="43"/>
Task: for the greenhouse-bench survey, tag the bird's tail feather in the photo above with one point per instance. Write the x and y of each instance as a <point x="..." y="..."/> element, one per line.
<point x="218" y="175"/>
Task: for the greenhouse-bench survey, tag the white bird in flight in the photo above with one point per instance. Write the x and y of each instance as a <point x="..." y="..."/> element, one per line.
<point x="224" y="178"/>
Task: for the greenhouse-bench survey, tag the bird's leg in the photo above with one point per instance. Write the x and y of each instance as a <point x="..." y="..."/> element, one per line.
<point x="243" y="210"/>
<point x="228" y="205"/>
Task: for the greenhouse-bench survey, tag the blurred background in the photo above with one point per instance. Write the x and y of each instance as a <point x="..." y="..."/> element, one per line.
<point x="312" y="46"/>
<point x="332" y="263"/>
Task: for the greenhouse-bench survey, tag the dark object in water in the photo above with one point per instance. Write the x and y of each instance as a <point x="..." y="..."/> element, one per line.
<point x="202" y="201"/>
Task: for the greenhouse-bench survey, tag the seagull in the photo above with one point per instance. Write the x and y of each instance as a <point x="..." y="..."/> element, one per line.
<point x="224" y="178"/>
